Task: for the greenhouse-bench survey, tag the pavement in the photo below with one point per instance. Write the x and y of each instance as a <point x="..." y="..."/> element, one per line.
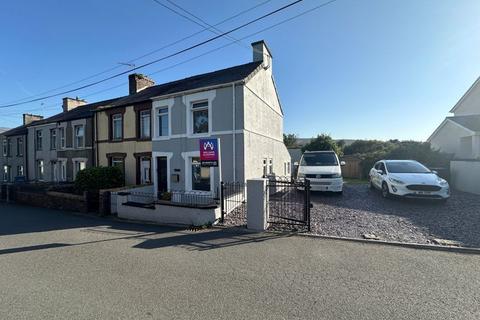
<point x="55" y="265"/>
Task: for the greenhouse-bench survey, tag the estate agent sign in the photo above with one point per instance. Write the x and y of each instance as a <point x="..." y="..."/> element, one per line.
<point x="209" y="152"/>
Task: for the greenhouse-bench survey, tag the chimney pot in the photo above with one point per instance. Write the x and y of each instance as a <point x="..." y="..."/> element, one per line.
<point x="261" y="52"/>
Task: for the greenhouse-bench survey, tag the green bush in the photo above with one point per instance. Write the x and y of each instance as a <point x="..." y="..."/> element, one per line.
<point x="323" y="142"/>
<point x="97" y="178"/>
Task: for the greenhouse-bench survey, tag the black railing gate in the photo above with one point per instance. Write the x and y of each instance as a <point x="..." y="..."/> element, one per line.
<point x="289" y="202"/>
<point x="233" y="202"/>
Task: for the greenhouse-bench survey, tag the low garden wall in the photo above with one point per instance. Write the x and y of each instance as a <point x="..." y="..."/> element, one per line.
<point x="166" y="212"/>
<point x="465" y="175"/>
<point x="53" y="200"/>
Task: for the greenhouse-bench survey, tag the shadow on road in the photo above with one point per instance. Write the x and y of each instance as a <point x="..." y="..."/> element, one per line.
<point x="16" y="219"/>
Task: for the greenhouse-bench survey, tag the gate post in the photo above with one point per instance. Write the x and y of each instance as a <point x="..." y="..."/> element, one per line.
<point x="222" y="201"/>
<point x="257" y="204"/>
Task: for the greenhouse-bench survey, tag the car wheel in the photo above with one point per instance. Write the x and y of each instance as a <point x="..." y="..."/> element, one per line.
<point x="385" y="190"/>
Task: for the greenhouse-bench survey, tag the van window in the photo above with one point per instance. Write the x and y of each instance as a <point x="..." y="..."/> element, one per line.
<point x="319" y="159"/>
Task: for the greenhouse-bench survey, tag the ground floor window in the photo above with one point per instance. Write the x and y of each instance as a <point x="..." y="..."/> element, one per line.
<point x="265" y="169"/>
<point x="54" y="170"/>
<point x="20" y="171"/>
<point x="200" y="176"/>
<point x="40" y="170"/>
<point x="63" y="170"/>
<point x="78" y="165"/>
<point x="270" y="166"/>
<point x="6" y="173"/>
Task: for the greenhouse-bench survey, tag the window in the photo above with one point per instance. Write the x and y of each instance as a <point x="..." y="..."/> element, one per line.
<point x="5" y="147"/>
<point x="20" y="172"/>
<point x="200" y="176"/>
<point x="63" y="170"/>
<point x="61" y="132"/>
<point x="38" y="140"/>
<point x="6" y="174"/>
<point x="40" y="170"/>
<point x="19" y="147"/>
<point x="265" y="171"/>
<point x="200" y="117"/>
<point x="53" y="139"/>
<point x="118" y="162"/>
<point x="9" y="147"/>
<point x="145" y="170"/>
<point x="78" y="166"/>
<point x="270" y="166"/>
<point x="79" y="136"/>
<point x="54" y="171"/>
<point x="144" y="122"/>
<point x="117" y="127"/>
<point x="162" y="116"/>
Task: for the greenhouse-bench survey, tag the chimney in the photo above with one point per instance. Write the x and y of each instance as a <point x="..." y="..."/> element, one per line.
<point x="72" y="103"/>
<point x="137" y="82"/>
<point x="261" y="52"/>
<point x="29" y="118"/>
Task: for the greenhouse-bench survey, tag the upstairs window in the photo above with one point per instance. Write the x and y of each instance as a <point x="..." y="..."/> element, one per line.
<point x="265" y="168"/>
<point x="61" y="132"/>
<point x="19" y="147"/>
<point x="38" y="140"/>
<point x="200" y="117"/>
<point x="117" y="127"/>
<point x="79" y="136"/>
<point x="20" y="172"/>
<point x="53" y="139"/>
<point x="5" y="147"/>
<point x="162" y="117"/>
<point x="144" y="122"/>
<point x="9" y="147"/>
<point x="270" y="166"/>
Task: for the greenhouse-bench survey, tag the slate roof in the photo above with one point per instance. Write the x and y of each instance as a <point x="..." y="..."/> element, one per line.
<point x="470" y="122"/>
<point x="85" y="111"/>
<point x="20" y="130"/>
<point x="214" y="78"/>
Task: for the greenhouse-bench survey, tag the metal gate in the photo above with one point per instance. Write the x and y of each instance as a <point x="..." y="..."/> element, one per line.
<point x="288" y="203"/>
<point x="233" y="203"/>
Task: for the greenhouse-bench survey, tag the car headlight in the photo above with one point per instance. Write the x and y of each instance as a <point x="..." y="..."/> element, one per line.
<point x="336" y="175"/>
<point x="442" y="182"/>
<point x="396" y="180"/>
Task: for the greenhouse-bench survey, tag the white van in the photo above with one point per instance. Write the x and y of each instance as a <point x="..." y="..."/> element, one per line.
<point x="323" y="169"/>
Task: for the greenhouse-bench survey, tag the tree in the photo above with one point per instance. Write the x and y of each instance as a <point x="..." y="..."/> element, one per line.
<point x="368" y="146"/>
<point x="290" y="140"/>
<point x="323" y="142"/>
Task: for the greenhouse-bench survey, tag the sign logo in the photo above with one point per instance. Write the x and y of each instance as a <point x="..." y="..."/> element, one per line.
<point x="209" y="152"/>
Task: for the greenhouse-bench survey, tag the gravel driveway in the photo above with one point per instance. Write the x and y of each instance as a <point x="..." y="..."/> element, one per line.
<point x="361" y="211"/>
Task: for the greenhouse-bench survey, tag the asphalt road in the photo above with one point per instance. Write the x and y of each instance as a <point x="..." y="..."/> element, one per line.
<point x="59" y="266"/>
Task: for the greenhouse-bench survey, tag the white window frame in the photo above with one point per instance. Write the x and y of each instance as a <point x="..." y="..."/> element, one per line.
<point x="160" y="104"/>
<point x="37" y="169"/>
<point x="38" y="146"/>
<point x="75" y="142"/>
<point x="61" y="133"/>
<point x="194" y="109"/>
<point x="53" y="135"/>
<point x="5" y="147"/>
<point x="22" y="171"/>
<point x="190" y="100"/>
<point x="187" y="156"/>
<point x="20" y="147"/>
<point x="142" y="114"/>
<point x="76" y="161"/>
<point x="62" y="164"/>
<point x="148" y="180"/>
<point x="119" y="118"/>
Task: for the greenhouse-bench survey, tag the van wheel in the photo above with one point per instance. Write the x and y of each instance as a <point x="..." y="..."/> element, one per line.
<point x="385" y="191"/>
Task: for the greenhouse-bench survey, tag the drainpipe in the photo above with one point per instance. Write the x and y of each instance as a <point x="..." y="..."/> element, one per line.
<point x="95" y="125"/>
<point x="234" y="145"/>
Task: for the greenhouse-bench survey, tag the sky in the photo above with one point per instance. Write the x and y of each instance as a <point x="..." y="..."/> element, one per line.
<point x="354" y="69"/>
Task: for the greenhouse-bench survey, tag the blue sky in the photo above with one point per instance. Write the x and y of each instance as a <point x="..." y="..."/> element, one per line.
<point x="384" y="69"/>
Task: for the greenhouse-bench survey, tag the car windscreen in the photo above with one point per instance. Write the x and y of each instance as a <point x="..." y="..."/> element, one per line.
<point x="406" y="167"/>
<point x="319" y="159"/>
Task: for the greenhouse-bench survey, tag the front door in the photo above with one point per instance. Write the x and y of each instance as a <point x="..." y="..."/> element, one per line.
<point x="144" y="170"/>
<point x="162" y="175"/>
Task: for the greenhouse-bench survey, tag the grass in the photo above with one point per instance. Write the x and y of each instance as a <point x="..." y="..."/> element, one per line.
<point x="355" y="181"/>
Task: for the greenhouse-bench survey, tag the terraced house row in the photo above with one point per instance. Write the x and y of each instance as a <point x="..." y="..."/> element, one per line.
<point x="153" y="133"/>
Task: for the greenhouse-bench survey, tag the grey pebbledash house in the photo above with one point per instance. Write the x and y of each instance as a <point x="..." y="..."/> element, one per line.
<point x="239" y="106"/>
